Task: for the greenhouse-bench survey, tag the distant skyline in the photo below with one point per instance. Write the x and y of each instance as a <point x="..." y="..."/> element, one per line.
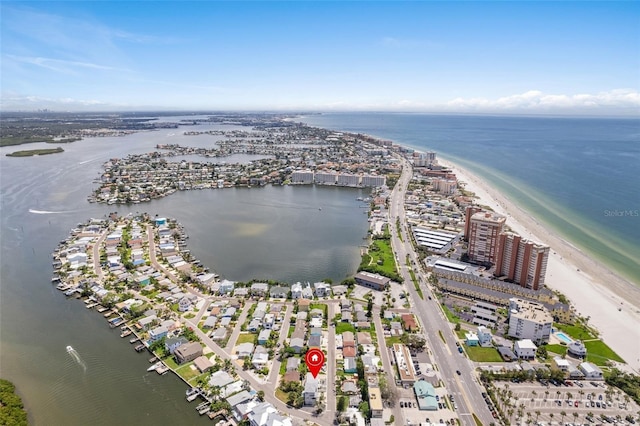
<point x="440" y="57"/>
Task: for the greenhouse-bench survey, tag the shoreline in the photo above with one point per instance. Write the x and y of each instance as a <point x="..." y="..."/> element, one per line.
<point x="593" y="289"/>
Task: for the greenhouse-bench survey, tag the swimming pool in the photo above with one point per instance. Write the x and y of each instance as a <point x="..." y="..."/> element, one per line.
<point x="560" y="335"/>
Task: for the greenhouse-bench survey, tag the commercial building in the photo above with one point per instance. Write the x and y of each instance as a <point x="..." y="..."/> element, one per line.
<point x="374" y="281"/>
<point x="426" y="395"/>
<point x="436" y="241"/>
<point x="375" y="402"/>
<point x="484" y="229"/>
<point x="521" y="261"/>
<point x="529" y="320"/>
<point x="404" y="364"/>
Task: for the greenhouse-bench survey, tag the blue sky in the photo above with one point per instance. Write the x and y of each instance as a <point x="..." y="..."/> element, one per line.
<point x="521" y="57"/>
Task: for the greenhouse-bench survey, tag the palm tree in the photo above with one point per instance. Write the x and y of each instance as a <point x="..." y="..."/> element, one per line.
<point x="575" y="416"/>
<point x="558" y="393"/>
<point x="562" y="413"/>
<point x="581" y="392"/>
<point x="537" y="415"/>
<point x="569" y="395"/>
<point x="551" y="416"/>
<point x="546" y="395"/>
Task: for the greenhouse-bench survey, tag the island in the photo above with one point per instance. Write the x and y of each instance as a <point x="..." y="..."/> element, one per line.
<point x="32" y="152"/>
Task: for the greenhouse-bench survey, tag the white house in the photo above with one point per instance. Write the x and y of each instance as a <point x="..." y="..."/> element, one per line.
<point x="525" y="349"/>
<point x="590" y="371"/>
<point x="322" y="289"/>
<point x="260" y="357"/>
<point x="296" y="291"/>
<point x="310" y="392"/>
<point x="484" y="336"/>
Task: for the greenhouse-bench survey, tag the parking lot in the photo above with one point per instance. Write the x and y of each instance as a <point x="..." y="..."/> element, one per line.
<point x="413" y="415"/>
<point x="580" y="405"/>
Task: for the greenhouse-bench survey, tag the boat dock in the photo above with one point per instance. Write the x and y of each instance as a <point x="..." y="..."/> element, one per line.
<point x="140" y="348"/>
<point x="114" y="322"/>
<point x="162" y="370"/>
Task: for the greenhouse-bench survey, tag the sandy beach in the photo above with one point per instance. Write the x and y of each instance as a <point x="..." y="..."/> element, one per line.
<point x="611" y="302"/>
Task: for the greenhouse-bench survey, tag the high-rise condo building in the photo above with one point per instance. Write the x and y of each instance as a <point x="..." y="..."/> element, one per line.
<point x="470" y="211"/>
<point x="484" y="229"/>
<point x="521" y="261"/>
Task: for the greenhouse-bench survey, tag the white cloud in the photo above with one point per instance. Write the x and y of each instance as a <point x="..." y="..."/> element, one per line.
<point x="62" y="65"/>
<point x="537" y="101"/>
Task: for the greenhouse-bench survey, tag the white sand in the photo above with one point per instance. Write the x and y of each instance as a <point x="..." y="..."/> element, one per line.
<point x="593" y="289"/>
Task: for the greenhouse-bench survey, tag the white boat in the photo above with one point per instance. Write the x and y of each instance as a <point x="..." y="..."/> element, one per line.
<point x="69" y="349"/>
<point x="155" y="366"/>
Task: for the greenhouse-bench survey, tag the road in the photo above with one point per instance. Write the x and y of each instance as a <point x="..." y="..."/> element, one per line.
<point x="465" y="388"/>
<point x="386" y="363"/>
<point x="97" y="268"/>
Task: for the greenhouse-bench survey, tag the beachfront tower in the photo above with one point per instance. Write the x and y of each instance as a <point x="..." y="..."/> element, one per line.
<point x="470" y="211"/>
<point x="484" y="229"/>
<point x="521" y="261"/>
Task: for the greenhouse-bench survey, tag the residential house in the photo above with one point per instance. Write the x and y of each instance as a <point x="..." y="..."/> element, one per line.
<point x="147" y="322"/>
<point x="241" y="292"/>
<point x="322" y="289"/>
<point x="219" y="334"/>
<point x="260" y="357"/>
<point x="484" y="336"/>
<point x="471" y="339"/>
<point x="293" y="364"/>
<point x="296" y="291"/>
<point x="315" y="341"/>
<point x="210" y="322"/>
<point x="220" y="379"/>
<point x="173" y="343"/>
<point x="268" y="320"/>
<point x="244" y="350"/>
<point x="525" y="349"/>
<point x="203" y="364"/>
<point x="350" y="365"/>
<point x="310" y="392"/>
<point x="264" y="336"/>
<point x="184" y="304"/>
<point x="279" y="292"/>
<point x="188" y="352"/>
<point x="364" y="338"/>
<point x="158" y="333"/>
<point x="254" y="325"/>
<point x="259" y="289"/>
<point x="226" y="287"/>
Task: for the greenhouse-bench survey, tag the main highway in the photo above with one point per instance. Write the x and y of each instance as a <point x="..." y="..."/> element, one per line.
<point x="464" y="387"/>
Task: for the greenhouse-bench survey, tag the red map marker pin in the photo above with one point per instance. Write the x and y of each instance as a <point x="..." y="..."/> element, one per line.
<point x="314" y="361"/>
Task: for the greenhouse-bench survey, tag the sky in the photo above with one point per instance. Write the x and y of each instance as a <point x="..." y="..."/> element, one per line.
<point x="467" y="57"/>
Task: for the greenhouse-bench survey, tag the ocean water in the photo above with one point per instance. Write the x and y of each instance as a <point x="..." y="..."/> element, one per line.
<point x="579" y="176"/>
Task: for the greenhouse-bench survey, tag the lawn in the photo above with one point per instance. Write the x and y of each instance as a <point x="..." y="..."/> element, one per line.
<point x="246" y="338"/>
<point x="480" y="354"/>
<point x="186" y="372"/>
<point x="599" y="353"/>
<point x="341" y="327"/>
<point x="450" y="315"/>
<point x="557" y="349"/>
<point x="391" y="340"/>
<point x="382" y="256"/>
<point x="577" y="331"/>
<point x="415" y="284"/>
<point x="282" y="396"/>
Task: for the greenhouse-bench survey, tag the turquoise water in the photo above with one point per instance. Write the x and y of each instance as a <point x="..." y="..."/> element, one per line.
<point x="578" y="176"/>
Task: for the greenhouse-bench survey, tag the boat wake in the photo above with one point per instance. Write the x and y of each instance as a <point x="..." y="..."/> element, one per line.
<point x="76" y="357"/>
<point x="46" y="212"/>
